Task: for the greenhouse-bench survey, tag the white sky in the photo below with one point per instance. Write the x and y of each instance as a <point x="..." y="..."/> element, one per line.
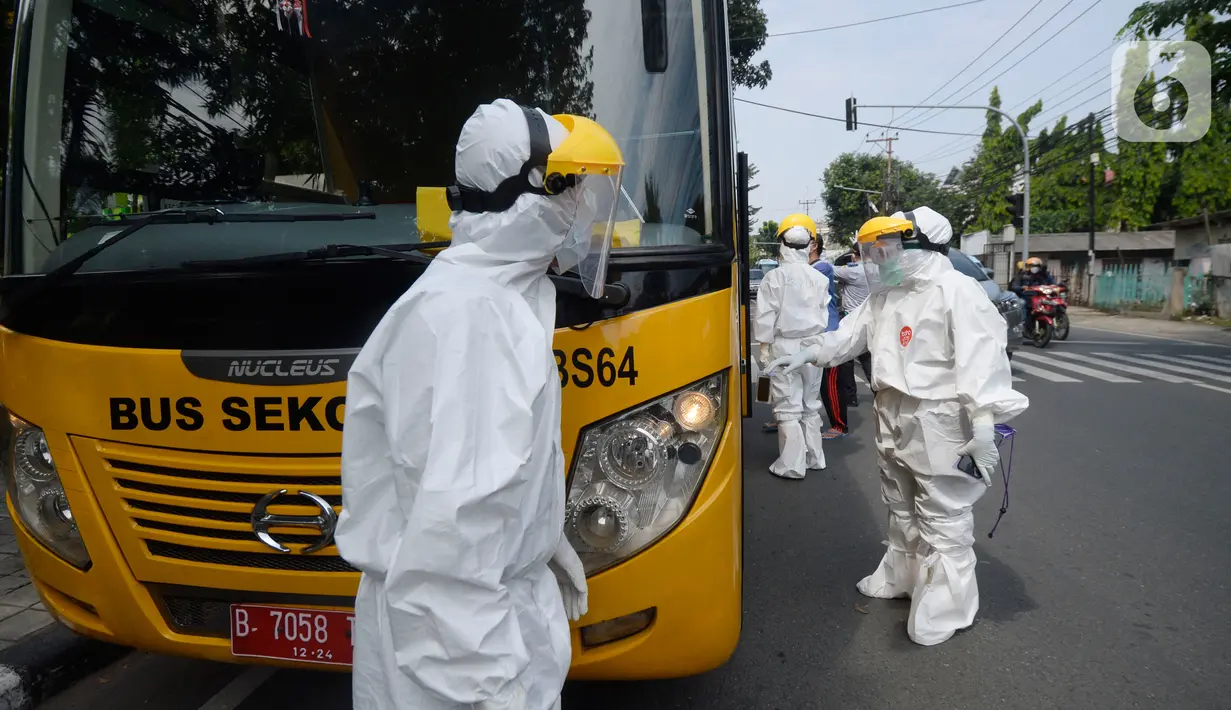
<point x="901" y="62"/>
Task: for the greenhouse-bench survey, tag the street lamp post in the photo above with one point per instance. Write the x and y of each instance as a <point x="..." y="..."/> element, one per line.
<point x="1025" y="154"/>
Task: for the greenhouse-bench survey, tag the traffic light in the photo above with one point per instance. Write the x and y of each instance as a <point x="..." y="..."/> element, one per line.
<point x="852" y="120"/>
<point x="1017" y="208"/>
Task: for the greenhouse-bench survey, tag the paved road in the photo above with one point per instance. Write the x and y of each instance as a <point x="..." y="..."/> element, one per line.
<point x="1107" y="586"/>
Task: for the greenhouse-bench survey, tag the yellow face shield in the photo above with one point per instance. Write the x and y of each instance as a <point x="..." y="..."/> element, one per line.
<point x="881" y="249"/>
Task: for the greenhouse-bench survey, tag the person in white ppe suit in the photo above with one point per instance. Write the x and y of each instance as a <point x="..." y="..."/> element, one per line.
<point x="942" y="382"/>
<point x="452" y="472"/>
<point x="793" y="304"/>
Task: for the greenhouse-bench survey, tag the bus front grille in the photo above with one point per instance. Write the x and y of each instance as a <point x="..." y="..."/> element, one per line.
<point x="197" y="508"/>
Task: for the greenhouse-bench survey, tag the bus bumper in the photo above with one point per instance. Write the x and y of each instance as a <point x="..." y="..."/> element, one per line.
<point x="691" y="580"/>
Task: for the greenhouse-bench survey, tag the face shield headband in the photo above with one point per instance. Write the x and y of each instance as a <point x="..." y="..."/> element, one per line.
<point x="920" y="240"/>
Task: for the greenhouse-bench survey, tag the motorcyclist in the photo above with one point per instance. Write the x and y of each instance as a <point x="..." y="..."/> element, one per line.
<point x="1033" y="273"/>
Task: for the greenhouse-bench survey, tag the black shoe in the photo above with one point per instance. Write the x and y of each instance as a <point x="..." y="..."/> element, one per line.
<point x="853" y="403"/>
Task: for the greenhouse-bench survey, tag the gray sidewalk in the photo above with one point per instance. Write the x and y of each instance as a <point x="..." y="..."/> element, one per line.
<point x="1150" y="326"/>
<point x="21" y="613"/>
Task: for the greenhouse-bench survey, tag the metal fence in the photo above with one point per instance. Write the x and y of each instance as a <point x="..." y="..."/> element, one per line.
<point x="1127" y="287"/>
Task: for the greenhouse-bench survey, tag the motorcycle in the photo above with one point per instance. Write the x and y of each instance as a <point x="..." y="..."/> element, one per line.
<point x="1041" y="326"/>
<point x="1060" y="318"/>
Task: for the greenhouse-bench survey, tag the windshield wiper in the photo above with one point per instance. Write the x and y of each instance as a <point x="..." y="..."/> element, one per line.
<point x="198" y="215"/>
<point x="402" y="252"/>
<point x="191" y="215"/>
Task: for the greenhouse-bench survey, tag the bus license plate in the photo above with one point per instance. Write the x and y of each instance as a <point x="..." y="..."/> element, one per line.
<point x="285" y="634"/>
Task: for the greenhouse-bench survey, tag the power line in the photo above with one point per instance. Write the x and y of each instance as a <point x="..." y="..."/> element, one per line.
<point x="843" y="120"/>
<point x="866" y="22"/>
<point x="972" y="62"/>
<point x="1031" y="52"/>
<point x="999" y="173"/>
<point x="924" y="116"/>
<point x="927" y="157"/>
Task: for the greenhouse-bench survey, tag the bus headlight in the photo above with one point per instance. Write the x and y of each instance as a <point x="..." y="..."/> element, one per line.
<point x="34" y="486"/>
<point x="635" y="475"/>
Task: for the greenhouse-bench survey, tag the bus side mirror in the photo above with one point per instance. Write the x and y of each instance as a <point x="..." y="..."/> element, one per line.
<point x="654" y="35"/>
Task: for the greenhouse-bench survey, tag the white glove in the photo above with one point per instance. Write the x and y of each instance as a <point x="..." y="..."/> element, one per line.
<point x="763" y="360"/>
<point x="791" y="363"/>
<point x="512" y="699"/>
<point x="571" y="576"/>
<point x="982" y="445"/>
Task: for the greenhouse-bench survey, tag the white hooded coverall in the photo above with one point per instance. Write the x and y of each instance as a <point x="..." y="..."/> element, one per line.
<point x="793" y="304"/>
<point x="452" y="473"/>
<point x="938" y="359"/>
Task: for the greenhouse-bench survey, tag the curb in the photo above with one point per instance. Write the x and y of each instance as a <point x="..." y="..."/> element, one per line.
<point x="48" y="661"/>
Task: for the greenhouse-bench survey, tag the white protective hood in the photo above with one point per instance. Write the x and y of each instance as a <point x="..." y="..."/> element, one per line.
<point x="514" y="247"/>
<point x="923" y="267"/>
<point x="794" y="246"/>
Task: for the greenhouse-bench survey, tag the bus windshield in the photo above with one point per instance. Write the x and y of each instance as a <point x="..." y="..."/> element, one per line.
<point x="126" y="106"/>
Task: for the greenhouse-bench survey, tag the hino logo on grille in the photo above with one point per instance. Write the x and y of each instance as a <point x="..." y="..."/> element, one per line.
<point x="298" y="367"/>
<point x="263" y="520"/>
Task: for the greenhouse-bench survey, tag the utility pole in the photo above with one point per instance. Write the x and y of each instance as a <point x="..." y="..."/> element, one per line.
<point x="808" y="206"/>
<point x="888" y="141"/>
<point x="1094" y="159"/>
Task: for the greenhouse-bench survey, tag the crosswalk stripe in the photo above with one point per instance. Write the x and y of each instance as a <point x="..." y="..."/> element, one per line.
<point x="1040" y="372"/>
<point x="1212" y="387"/>
<point x="1124" y="368"/>
<point x="1079" y="369"/>
<point x="1018" y="379"/>
<point x="1225" y="368"/>
<point x="1210" y="358"/>
<point x="1166" y="366"/>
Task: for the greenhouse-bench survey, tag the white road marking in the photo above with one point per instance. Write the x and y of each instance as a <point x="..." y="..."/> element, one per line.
<point x="1210" y="358"/>
<point x="1212" y="387"/>
<point x="1165" y="366"/>
<point x="238" y="690"/>
<point x="1153" y="337"/>
<point x="1225" y="367"/>
<point x="1040" y="372"/>
<point x="1100" y="342"/>
<point x="1018" y="379"/>
<point x="1079" y="369"/>
<point x="1119" y="367"/>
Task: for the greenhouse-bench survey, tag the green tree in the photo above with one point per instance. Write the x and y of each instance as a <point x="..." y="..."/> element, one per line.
<point x="748" y="34"/>
<point x="763" y="244"/>
<point x="847" y="209"/>
<point x="1140" y="168"/>
<point x="1060" y="183"/>
<point x="1195" y="175"/>
<point x="1204" y="170"/>
<point x="753" y="210"/>
<point x="996" y="165"/>
<point x="1204" y="21"/>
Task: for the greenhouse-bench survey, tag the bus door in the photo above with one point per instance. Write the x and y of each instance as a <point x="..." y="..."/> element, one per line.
<point x="743" y="237"/>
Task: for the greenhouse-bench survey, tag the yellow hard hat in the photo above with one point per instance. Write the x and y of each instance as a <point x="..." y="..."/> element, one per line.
<point x="878" y="227"/>
<point x="1020" y="265"/>
<point x="588" y="150"/>
<point x="797" y="220"/>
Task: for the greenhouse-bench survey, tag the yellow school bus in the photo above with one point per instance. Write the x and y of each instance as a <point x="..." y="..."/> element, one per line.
<point x="209" y="205"/>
